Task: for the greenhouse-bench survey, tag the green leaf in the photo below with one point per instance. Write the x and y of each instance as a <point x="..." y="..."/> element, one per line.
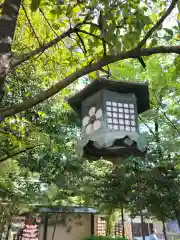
<point x="92" y="28"/>
<point x="153" y="43"/>
<point x="169" y="31"/>
<point x="154" y="17"/>
<point x="35" y="4"/>
<point x="178" y="17"/>
<point x="177" y="64"/>
<point x="178" y="5"/>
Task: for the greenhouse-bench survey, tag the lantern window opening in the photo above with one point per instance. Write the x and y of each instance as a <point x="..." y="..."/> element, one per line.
<point x="115" y="109"/>
<point x="109" y="120"/>
<point x="109" y="114"/>
<point x="115" y="115"/>
<point x="115" y="127"/>
<point x="114" y="104"/>
<point x="121" y="121"/>
<point x="115" y="121"/>
<point x="121" y="127"/>
<point x="127" y="122"/>
<point x="121" y="116"/>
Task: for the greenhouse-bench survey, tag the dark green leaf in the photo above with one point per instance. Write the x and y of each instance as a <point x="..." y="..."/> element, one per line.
<point x="169" y="31"/>
<point x="35" y="4"/>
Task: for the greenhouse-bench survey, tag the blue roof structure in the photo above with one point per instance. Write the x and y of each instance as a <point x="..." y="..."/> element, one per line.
<point x="68" y="209"/>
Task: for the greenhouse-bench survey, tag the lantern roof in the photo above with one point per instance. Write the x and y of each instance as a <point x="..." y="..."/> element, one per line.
<point x="139" y="89"/>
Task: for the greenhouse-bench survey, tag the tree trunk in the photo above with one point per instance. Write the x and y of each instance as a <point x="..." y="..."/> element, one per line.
<point x="8" y="229"/>
<point x="160" y="155"/>
<point x="2" y="223"/>
<point x="108" y="227"/>
<point x="142" y="224"/>
<point x="140" y="207"/>
<point x="109" y="223"/>
<point x="132" y="227"/>
<point x="9" y="15"/>
<point x="1" y="219"/>
<point x="164" y="231"/>
<point x="122" y="220"/>
<point x="8" y="20"/>
<point x="177" y="214"/>
<point x="55" y="225"/>
<point x="45" y="226"/>
<point x="10" y="220"/>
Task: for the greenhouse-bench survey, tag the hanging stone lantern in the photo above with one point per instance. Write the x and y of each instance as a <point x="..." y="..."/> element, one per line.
<point x="109" y="114"/>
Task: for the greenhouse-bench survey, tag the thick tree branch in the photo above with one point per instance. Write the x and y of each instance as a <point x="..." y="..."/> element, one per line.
<point x="158" y="23"/>
<point x="27" y="104"/>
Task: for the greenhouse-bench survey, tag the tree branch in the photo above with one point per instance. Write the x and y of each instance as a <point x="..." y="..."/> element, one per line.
<point x="44" y="16"/>
<point x="48" y="23"/>
<point x="91" y="34"/>
<point x="107" y="72"/>
<point x="95" y="36"/>
<point x="82" y="42"/>
<point x="33" y="30"/>
<point x="41" y="49"/>
<point x="27" y="56"/>
<point x="167" y="118"/>
<point x="158" y="23"/>
<point x="2" y="159"/>
<point x="93" y="24"/>
<point x="150" y="130"/>
<point x="135" y="53"/>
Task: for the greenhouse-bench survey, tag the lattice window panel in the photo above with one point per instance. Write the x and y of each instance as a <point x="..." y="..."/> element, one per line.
<point x="101" y="226"/>
<point x="121" y="116"/>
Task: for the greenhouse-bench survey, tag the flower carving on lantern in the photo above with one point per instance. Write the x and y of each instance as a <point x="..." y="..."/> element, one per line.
<point x="92" y="122"/>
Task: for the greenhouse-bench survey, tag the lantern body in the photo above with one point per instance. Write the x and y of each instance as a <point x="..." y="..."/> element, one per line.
<point x="110" y="112"/>
<point x="109" y="118"/>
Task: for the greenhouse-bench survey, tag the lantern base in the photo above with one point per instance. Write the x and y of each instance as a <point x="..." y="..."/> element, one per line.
<point x="120" y="149"/>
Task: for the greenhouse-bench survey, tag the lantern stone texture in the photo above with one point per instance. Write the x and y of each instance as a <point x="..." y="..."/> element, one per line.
<point x="109" y="114"/>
